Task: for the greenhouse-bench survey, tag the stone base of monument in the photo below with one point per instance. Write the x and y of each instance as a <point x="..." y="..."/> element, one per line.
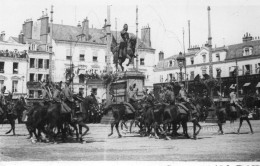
<point x="121" y="87"/>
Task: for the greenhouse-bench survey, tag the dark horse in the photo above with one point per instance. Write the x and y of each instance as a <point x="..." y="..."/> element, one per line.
<point x="122" y="112"/>
<point x="175" y="115"/>
<point x="130" y="53"/>
<point x="61" y="120"/>
<point x="10" y="111"/>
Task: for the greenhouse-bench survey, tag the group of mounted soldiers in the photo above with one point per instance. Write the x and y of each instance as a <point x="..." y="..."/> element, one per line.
<point x="174" y="100"/>
<point x="167" y="96"/>
<point x="59" y="108"/>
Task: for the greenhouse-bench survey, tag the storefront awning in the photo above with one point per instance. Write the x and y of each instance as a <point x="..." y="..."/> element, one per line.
<point x="258" y="85"/>
<point x="232" y="69"/>
<point x="233" y="86"/>
<point x="247" y="84"/>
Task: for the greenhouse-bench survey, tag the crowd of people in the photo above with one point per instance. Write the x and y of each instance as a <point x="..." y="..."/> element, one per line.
<point x="15" y="53"/>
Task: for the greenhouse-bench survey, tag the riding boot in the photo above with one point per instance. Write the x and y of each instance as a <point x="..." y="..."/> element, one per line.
<point x="120" y="53"/>
<point x="190" y="116"/>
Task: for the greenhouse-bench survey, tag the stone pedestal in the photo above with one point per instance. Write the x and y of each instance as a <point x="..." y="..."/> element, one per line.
<point x="121" y="89"/>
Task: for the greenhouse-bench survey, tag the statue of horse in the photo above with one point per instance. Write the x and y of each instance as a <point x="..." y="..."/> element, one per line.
<point x="128" y="54"/>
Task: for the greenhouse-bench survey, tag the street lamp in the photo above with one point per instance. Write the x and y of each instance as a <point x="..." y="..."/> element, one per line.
<point x="181" y="61"/>
<point x="22" y="84"/>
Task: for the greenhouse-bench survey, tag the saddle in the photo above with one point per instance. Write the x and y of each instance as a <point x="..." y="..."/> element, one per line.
<point x="131" y="110"/>
<point x="65" y="108"/>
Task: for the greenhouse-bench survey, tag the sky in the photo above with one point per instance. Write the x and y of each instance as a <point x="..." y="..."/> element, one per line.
<point x="168" y="19"/>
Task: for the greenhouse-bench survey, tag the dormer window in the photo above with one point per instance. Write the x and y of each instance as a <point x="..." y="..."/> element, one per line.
<point x="191" y="60"/>
<point x="218" y="57"/>
<point x="247" y="51"/>
<point x="204" y="58"/>
<point x="170" y="63"/>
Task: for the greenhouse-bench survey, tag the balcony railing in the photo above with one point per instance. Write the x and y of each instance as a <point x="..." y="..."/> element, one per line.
<point x="14" y="54"/>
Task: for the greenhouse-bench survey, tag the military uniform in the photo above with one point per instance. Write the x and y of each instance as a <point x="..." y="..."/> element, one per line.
<point x="2" y="100"/>
<point x="183" y="99"/>
<point x="68" y="100"/>
<point x="169" y="97"/>
<point x="233" y="99"/>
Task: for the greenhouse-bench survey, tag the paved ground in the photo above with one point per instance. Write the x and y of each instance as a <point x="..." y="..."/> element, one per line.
<point x="99" y="147"/>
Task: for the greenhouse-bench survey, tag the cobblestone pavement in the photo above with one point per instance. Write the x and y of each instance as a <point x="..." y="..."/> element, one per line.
<point x="99" y="147"/>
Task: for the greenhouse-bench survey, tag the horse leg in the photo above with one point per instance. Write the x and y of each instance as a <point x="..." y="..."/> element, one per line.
<point x="76" y="129"/>
<point x="220" y="128"/>
<point x="80" y="134"/>
<point x="82" y="124"/>
<point x="197" y="124"/>
<point x="194" y="131"/>
<point x="131" y="124"/>
<point x="185" y="129"/>
<point x="155" y="127"/>
<point x="240" y="124"/>
<point x="119" y="135"/>
<point x="251" y="129"/>
<point x="11" y="123"/>
<point x="112" y="126"/>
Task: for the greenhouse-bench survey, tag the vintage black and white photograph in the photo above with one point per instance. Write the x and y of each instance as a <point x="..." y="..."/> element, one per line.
<point x="130" y="80"/>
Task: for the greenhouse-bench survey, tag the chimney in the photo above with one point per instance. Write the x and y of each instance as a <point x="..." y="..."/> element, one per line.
<point x="2" y="36"/>
<point x="44" y="28"/>
<point x="78" y="24"/>
<point x="21" y="38"/>
<point x="146" y="36"/>
<point x="27" y="28"/>
<point x="161" y="55"/>
<point x="85" y="28"/>
<point x="247" y="37"/>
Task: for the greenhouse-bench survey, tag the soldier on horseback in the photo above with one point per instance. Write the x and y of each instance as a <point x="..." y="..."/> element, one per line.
<point x="169" y="96"/>
<point x="2" y="99"/>
<point x="46" y="96"/>
<point x="68" y="97"/>
<point x="184" y="100"/>
<point x="133" y="96"/>
<point x="233" y="98"/>
<point x="123" y="44"/>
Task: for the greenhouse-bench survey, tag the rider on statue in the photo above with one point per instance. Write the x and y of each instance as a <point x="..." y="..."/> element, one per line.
<point x="123" y="44"/>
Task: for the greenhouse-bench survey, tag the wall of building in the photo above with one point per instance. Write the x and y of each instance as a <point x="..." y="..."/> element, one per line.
<point x="8" y="75"/>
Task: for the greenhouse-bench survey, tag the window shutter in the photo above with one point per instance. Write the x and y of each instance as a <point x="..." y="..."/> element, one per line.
<point x="45" y="63"/>
<point x="243" y="70"/>
<point x="251" y="69"/>
<point x="255" y="68"/>
<point x="36" y="63"/>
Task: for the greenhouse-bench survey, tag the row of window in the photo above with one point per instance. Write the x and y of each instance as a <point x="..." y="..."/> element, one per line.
<point x="39" y="63"/>
<point x="95" y="58"/>
<point x="246" y="70"/>
<point x="14" y="85"/>
<point x="15" y="67"/>
<point x="38" y="93"/>
<point x="38" y="77"/>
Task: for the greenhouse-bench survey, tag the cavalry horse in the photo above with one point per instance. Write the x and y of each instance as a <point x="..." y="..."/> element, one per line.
<point x="129" y="53"/>
<point x="122" y="112"/>
<point x="55" y="118"/>
<point x="8" y="113"/>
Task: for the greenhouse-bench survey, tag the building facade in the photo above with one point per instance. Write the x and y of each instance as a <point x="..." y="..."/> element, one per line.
<point x="78" y="51"/>
<point x="13" y="67"/>
<point x="244" y="56"/>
